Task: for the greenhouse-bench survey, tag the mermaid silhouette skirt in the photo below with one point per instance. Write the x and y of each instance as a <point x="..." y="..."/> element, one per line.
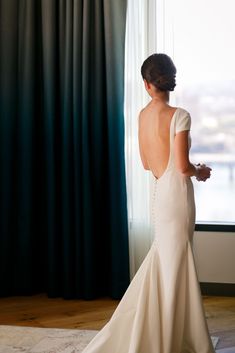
<point x="161" y="310"/>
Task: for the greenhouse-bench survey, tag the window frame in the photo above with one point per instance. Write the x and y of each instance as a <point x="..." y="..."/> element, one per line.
<point x="215" y="227"/>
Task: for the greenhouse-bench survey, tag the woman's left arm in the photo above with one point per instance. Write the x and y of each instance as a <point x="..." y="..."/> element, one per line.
<point x="183" y="164"/>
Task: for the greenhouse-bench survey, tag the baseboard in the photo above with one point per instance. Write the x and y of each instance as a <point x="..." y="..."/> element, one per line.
<point x="220" y="289"/>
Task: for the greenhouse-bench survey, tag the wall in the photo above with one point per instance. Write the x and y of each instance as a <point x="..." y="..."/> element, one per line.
<point x="215" y="256"/>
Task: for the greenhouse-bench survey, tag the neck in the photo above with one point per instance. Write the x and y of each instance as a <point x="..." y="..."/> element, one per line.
<point x="162" y="97"/>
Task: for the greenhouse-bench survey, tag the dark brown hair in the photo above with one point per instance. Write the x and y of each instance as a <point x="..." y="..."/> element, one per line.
<point x="159" y="70"/>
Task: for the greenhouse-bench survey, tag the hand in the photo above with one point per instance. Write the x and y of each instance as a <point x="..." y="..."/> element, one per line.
<point x="202" y="172"/>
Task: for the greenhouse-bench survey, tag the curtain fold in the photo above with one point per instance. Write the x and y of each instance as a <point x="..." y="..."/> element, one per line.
<point x="63" y="217"/>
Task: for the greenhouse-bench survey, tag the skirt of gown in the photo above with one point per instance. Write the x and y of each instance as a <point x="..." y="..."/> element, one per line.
<point x="161" y="310"/>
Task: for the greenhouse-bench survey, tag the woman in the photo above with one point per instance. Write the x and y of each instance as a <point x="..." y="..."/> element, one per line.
<point x="162" y="311"/>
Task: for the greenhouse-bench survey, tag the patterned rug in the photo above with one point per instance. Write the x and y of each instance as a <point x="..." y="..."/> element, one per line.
<point x="18" y="339"/>
<point x="226" y="350"/>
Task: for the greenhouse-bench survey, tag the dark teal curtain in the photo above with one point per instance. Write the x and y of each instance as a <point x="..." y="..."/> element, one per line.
<point x="63" y="216"/>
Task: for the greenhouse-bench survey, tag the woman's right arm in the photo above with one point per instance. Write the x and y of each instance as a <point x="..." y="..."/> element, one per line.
<point x="183" y="164"/>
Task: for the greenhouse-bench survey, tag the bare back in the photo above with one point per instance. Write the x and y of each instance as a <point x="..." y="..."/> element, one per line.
<point x="154" y="137"/>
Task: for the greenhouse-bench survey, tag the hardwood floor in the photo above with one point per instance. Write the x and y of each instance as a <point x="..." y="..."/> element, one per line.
<point x="40" y="311"/>
<point x="220" y="313"/>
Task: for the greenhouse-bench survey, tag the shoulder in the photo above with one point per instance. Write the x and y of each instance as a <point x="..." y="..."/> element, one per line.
<point x="145" y="110"/>
<point x="140" y="116"/>
<point x="182" y="113"/>
<point x="183" y="120"/>
<point x="142" y="113"/>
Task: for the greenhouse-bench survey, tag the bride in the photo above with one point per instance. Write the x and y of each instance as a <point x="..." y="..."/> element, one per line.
<point x="161" y="310"/>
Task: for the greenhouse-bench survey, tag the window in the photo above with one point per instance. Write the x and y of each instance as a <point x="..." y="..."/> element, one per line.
<point x="199" y="36"/>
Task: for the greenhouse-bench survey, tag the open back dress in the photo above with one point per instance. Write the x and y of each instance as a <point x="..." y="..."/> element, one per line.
<point x="161" y="310"/>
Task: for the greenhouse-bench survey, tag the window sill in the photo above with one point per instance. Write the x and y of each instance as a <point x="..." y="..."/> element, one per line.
<point x="215" y="227"/>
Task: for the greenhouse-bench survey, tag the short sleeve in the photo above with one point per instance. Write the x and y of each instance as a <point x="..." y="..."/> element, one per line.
<point x="183" y="121"/>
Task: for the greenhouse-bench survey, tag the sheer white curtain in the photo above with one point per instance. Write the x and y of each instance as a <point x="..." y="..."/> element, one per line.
<point x="145" y="34"/>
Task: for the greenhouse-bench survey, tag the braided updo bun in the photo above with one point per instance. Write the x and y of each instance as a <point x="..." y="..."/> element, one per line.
<point x="159" y="70"/>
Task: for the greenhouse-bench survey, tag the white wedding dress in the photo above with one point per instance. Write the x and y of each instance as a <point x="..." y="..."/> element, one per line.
<point x="161" y="310"/>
